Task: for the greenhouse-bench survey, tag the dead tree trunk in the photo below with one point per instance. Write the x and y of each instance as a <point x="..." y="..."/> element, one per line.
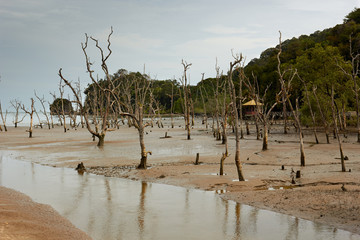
<point x="42" y="101"/>
<point x="285" y="91"/>
<point x="3" y="118"/>
<point x="17" y="106"/>
<point x="187" y="101"/>
<point x="323" y="118"/>
<point x="203" y="102"/>
<point x="61" y="90"/>
<point x="343" y="169"/>
<point x="30" y="113"/>
<point x="105" y="90"/>
<point x="237" y="60"/>
<point x="310" y="108"/>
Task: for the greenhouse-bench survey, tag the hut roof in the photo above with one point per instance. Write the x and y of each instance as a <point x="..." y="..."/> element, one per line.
<point x="252" y="103"/>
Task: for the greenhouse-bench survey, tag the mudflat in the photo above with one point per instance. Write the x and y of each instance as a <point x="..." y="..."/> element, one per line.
<point x="322" y="193"/>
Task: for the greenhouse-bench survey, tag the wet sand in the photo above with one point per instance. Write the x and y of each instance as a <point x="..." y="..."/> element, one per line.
<point x="317" y="196"/>
<point x="21" y="218"/>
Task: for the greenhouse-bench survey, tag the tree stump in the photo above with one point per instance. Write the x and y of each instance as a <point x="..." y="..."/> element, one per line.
<point x="197" y="159"/>
<point x="81" y="168"/>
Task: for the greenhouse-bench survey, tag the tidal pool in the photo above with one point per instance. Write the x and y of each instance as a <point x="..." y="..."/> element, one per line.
<point x="112" y="208"/>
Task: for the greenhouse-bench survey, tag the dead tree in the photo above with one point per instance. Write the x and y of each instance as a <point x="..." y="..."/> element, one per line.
<point x="203" y="101"/>
<point x="224" y="118"/>
<point x="42" y="101"/>
<point x="61" y="91"/>
<point x="186" y="97"/>
<point x="323" y="118"/>
<point x="30" y="112"/>
<point x="78" y="88"/>
<point x="285" y="91"/>
<point x="262" y="110"/>
<point x="134" y="108"/>
<point x="217" y="133"/>
<point x="17" y="106"/>
<point x="282" y="84"/>
<point x="235" y="64"/>
<point x="353" y="74"/>
<point x="310" y="108"/>
<point x="343" y="169"/>
<point x="105" y="89"/>
<point x="172" y="105"/>
<point x="240" y="106"/>
<point x="3" y="118"/>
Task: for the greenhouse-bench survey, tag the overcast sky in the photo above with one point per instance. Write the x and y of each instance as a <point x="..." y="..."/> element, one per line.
<point x="37" y="37"/>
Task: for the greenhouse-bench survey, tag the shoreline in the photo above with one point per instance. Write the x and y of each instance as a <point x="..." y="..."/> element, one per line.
<point x="22" y="218"/>
<point x="317" y="195"/>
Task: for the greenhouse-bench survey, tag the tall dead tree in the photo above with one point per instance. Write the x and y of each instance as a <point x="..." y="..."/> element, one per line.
<point x="106" y="89"/>
<point x="354" y="75"/>
<point x="134" y="108"/>
<point x="238" y="58"/>
<point x="322" y="115"/>
<point x="263" y="112"/>
<point x="336" y="131"/>
<point x="61" y="91"/>
<point x="17" y="106"/>
<point x="310" y="109"/>
<point x="172" y="105"/>
<point x="30" y="112"/>
<point x="285" y="91"/>
<point x="186" y="97"/>
<point x="42" y="102"/>
<point x="217" y="133"/>
<point x="3" y="118"/>
<point x="203" y="101"/>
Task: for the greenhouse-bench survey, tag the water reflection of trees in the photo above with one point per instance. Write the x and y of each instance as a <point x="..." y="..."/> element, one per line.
<point x="141" y="210"/>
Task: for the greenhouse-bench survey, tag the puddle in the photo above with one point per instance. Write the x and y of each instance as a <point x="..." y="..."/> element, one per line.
<point x="272" y="188"/>
<point x="112" y="208"/>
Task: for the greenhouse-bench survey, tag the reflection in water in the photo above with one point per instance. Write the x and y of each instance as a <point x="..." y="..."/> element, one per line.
<point x="111" y="208"/>
<point x="141" y="212"/>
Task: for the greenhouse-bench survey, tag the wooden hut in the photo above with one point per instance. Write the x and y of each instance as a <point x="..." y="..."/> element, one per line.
<point x="249" y="108"/>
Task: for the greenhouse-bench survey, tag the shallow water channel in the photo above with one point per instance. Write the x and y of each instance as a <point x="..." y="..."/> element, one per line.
<point x="112" y="208"/>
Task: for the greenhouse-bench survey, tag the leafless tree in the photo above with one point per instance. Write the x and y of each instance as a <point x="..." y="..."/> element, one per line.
<point x="225" y="106"/>
<point x="310" y="108"/>
<point x="217" y="132"/>
<point x="105" y="90"/>
<point x="17" y="106"/>
<point x="353" y="74"/>
<point x="201" y="87"/>
<point x="323" y="118"/>
<point x="285" y="92"/>
<point x="238" y="58"/>
<point x="343" y="169"/>
<point x="61" y="91"/>
<point x="131" y="102"/>
<point x="263" y="112"/>
<point x="186" y="97"/>
<point x="30" y="112"/>
<point x="42" y="102"/>
<point x="172" y="105"/>
<point x="3" y="118"/>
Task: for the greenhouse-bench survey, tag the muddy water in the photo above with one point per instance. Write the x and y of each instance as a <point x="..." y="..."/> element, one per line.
<point x="111" y="208"/>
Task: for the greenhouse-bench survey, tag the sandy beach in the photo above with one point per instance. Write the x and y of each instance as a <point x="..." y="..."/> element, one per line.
<point x="322" y="194"/>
